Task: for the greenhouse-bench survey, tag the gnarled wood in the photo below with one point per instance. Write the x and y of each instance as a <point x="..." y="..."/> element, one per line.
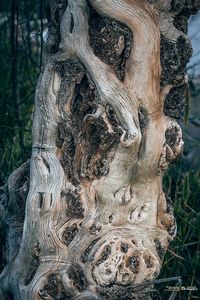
<point x="97" y="223"/>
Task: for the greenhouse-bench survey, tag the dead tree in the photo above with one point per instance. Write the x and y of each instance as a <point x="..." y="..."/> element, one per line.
<point x="90" y="219"/>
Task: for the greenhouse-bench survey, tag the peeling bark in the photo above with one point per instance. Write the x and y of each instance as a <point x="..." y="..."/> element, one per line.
<point x="97" y="222"/>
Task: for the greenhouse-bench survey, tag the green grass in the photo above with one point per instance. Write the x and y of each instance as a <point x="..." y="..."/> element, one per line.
<point x="183" y="256"/>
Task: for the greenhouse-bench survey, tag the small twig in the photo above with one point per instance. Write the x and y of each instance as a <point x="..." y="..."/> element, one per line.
<point x="172" y="252"/>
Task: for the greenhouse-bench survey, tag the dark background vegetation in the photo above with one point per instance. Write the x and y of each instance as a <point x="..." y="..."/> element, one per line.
<point x="22" y="29"/>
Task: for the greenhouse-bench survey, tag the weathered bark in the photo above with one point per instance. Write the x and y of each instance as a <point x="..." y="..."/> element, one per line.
<point x="97" y="222"/>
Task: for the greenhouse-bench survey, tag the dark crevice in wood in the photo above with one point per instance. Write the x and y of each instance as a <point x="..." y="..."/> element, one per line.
<point x="85" y="153"/>
<point x="124" y="247"/>
<point x="174" y="57"/>
<point x="71" y="23"/>
<point x="177" y="4"/>
<point x="86" y="253"/>
<point x="70" y="69"/>
<point x="113" y="120"/>
<point x="55" y="289"/>
<point x="84" y="102"/>
<point x="111" y="42"/>
<point x="134" y="263"/>
<point x="46" y="164"/>
<point x="51" y="200"/>
<point x="69" y="234"/>
<point x="143" y="118"/>
<point x="171" y="135"/>
<point x="76" y="274"/>
<point x="148" y="261"/>
<point x="40" y="195"/>
<point x="106" y="252"/>
<point x="95" y="229"/>
<point x="98" y="142"/>
<point x="175" y="103"/>
<point x="110" y="218"/>
<point x="74" y="207"/>
<point x="181" y="23"/>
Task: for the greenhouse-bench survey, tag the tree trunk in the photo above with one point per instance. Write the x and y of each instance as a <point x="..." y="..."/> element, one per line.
<point x="96" y="222"/>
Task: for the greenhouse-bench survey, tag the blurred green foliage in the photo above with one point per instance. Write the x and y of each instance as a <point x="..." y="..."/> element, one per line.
<point x="21" y="39"/>
<point x="182" y="257"/>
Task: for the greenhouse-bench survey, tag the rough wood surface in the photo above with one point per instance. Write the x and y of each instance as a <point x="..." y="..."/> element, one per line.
<point x="97" y="223"/>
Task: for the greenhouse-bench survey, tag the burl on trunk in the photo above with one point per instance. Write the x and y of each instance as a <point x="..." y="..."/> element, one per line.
<point x="89" y="218"/>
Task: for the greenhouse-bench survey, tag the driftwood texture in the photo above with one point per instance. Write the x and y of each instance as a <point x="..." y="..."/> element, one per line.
<point x="91" y="220"/>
